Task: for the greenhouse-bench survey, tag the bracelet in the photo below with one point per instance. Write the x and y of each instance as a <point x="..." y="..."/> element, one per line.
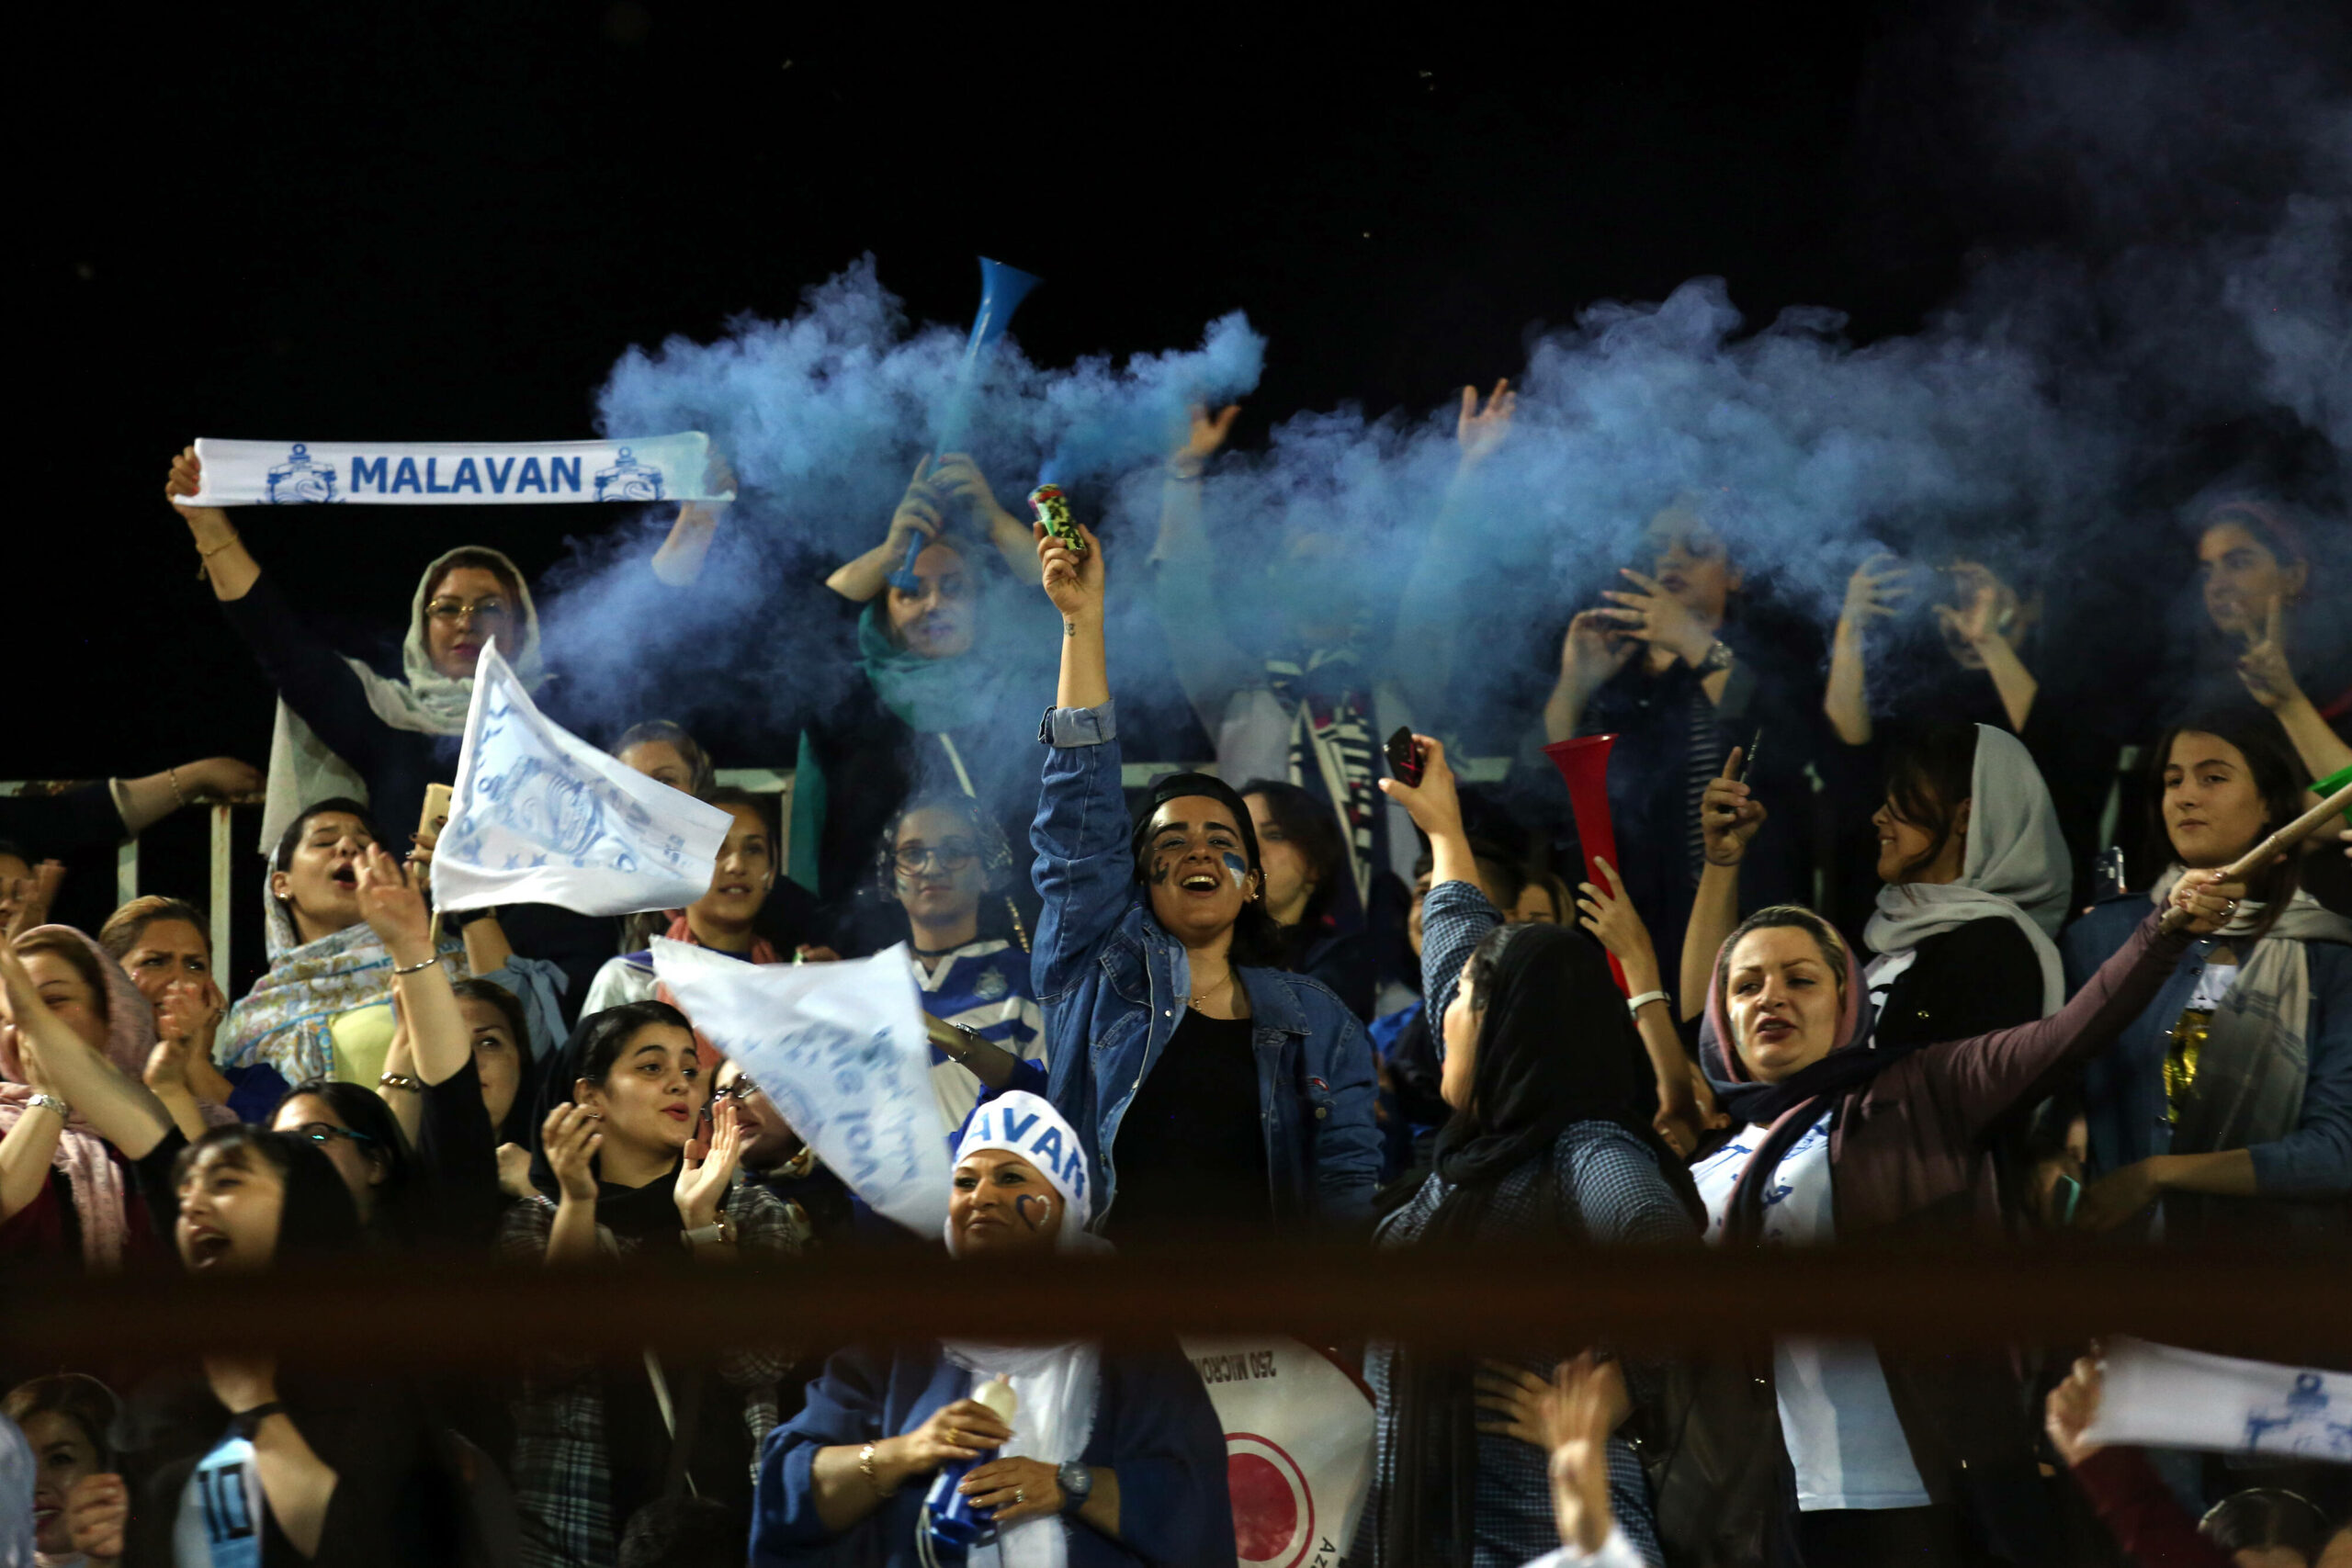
<point x="51" y="1103"/>
<point x="866" y="1468"/>
<point x="203" y="554"/>
<point x="1186" y="476"/>
<point x="174" y="776"/>
<point x="419" y="967"/>
<point x="402" y="1082"/>
<point x="1633" y="1004"/>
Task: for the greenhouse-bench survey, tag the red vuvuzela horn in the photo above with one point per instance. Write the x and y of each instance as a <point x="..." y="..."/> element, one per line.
<point x="1583" y="765"/>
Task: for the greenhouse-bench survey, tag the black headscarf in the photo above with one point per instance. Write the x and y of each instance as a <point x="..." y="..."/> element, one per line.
<point x="1555" y="1046"/>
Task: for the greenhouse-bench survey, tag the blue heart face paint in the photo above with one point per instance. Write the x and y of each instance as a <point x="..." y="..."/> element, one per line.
<point x="1034" y="1210"/>
<point x="1237" y="868"/>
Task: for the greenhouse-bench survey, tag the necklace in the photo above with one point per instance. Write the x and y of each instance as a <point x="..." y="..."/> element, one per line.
<point x="1200" y="1001"/>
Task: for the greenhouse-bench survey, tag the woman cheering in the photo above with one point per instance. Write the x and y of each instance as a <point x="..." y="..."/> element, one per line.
<point x="1206" y="1089"/>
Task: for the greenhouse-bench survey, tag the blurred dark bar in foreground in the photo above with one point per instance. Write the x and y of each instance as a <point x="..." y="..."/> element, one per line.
<point x="2276" y="1305"/>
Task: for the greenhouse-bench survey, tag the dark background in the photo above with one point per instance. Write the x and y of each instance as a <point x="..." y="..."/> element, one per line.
<point x="446" y="221"/>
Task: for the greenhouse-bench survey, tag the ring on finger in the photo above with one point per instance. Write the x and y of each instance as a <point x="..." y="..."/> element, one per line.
<point x="1020" y="1495"/>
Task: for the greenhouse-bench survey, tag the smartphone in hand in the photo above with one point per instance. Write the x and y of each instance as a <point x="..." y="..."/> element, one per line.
<point x="1405" y="757"/>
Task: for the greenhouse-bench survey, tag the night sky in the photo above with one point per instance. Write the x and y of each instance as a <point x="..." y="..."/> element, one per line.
<point x="445" y="222"/>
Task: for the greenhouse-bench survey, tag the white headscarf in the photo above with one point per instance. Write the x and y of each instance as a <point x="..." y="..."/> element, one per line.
<point x="304" y="770"/>
<point x="2016" y="867"/>
<point x="1056" y="1384"/>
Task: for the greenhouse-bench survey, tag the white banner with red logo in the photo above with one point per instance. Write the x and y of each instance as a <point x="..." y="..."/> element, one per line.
<point x="1298" y="1437"/>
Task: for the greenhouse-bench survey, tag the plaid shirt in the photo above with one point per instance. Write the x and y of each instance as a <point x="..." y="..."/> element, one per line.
<point x="560" y="1472"/>
<point x="1610" y="1186"/>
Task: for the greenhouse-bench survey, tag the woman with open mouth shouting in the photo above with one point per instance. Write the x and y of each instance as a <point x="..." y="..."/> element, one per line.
<point x="624" y="1167"/>
<point x="1210" y="1091"/>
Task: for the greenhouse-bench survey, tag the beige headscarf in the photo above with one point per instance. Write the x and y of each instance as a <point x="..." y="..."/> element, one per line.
<point x="303" y="770"/>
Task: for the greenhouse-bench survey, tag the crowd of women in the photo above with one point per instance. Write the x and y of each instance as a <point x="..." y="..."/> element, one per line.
<point x="1342" y="999"/>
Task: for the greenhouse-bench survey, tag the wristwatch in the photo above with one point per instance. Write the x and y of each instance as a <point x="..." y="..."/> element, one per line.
<point x="1719" y="657"/>
<point x="51" y="1103"/>
<point x="1077" y="1483"/>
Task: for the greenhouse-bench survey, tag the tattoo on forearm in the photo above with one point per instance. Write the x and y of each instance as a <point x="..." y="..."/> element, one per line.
<point x="1070" y="628"/>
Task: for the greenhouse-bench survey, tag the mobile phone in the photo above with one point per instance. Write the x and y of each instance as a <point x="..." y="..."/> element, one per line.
<point x="1405" y="756"/>
<point x="2065" y="1193"/>
<point x="1747" y="758"/>
<point x="435" y="817"/>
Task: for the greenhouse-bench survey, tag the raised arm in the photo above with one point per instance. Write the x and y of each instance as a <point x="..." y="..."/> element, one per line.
<point x="2270" y="680"/>
<point x="227" y="565"/>
<point x="1610" y="915"/>
<point x="1730" y="818"/>
<point x="438" y="1039"/>
<point x="1456" y="914"/>
<point x="1429" y="616"/>
<point x="1875" y="592"/>
<point x="679" y="561"/>
<point x="1208" y="666"/>
<point x="1983" y="623"/>
<point x="1084" y="869"/>
<point x="1591" y="652"/>
<point x="123" y="1110"/>
<point x="917" y="517"/>
<point x="959" y="482"/>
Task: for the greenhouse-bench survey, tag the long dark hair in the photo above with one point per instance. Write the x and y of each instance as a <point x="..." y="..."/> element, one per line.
<point x="1554" y="1046"/>
<point x="595" y="1044"/>
<point x="517" y="1127"/>
<point x="1930" y="770"/>
<point x="1309" y="824"/>
<point x="363" y="1110"/>
<point x="321" y="1219"/>
<point x="2278" y="778"/>
<point x="1257" y="940"/>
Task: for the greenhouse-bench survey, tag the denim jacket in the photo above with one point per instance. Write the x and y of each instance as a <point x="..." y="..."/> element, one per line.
<point x="1112" y="984"/>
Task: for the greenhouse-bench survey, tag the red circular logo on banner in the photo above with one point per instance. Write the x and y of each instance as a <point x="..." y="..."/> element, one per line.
<point x="1273" y="1510"/>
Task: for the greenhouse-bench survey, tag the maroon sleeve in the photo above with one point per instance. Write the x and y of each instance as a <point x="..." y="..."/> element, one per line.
<point x="1985" y="1074"/>
<point x="2143" y="1517"/>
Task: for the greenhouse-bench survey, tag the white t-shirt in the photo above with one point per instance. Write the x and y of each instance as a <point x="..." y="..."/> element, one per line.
<point x="1837" y="1417"/>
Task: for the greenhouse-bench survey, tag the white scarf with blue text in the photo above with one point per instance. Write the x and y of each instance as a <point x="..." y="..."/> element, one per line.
<point x="455" y="473"/>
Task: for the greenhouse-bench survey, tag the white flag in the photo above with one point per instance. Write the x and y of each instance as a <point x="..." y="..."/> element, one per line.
<point x="453" y="473"/>
<point x="840" y="1051"/>
<point x="540" y="817"/>
<point x="2167" y="1397"/>
<point x="1297" y="1446"/>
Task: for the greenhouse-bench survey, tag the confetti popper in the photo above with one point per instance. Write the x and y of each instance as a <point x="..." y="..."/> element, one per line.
<point x="1052" y="508"/>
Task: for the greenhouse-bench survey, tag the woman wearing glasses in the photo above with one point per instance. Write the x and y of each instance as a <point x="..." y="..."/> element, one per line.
<point x="947" y="864"/>
<point x="344" y="729"/>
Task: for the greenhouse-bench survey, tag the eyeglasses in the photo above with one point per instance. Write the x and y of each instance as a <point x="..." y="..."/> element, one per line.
<point x="952" y="855"/>
<point x="327" y="1133"/>
<point x="449" y="612"/>
<point x="742" y="1089"/>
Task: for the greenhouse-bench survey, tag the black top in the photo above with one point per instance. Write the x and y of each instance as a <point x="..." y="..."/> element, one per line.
<point x="53" y="824"/>
<point x="1968" y="981"/>
<point x="1190" y="1151"/>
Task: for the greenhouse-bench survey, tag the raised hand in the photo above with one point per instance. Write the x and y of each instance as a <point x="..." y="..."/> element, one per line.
<point x="1611" y="916"/>
<point x="1073" y="578"/>
<point x="393" y="909"/>
<point x="187" y="478"/>
<point x="572" y="1136"/>
<point x="98" y="1511"/>
<point x="2269" y="678"/>
<point x="1729" y="814"/>
<point x="1594" y="651"/>
<point x="917" y="513"/>
<point x="1988" y="606"/>
<point x="26" y="899"/>
<point x="1201" y="441"/>
<point x="1876" y="590"/>
<point x="957" y="481"/>
<point x="220" y="778"/>
<point x="1434" y="803"/>
<point x="704" y="1175"/>
<point x="1658" y="618"/>
<point x="1582" y="1405"/>
<point x="1479" y="432"/>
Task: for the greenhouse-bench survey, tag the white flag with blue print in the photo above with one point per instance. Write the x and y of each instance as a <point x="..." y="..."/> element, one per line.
<point x="2163" y="1396"/>
<point x="840" y="1051"/>
<point x="538" y="816"/>
<point x="455" y="473"/>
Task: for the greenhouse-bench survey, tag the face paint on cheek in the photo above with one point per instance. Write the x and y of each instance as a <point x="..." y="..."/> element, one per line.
<point x="1237" y="868"/>
<point x="1033" y="1210"/>
<point x="1159" y="870"/>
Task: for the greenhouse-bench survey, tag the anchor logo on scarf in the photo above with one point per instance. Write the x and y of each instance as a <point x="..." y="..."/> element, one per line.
<point x="629" y="480"/>
<point x="539" y="816"/>
<point x="300" y="479"/>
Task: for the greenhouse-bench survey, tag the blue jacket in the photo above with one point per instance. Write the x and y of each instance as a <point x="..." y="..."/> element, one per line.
<point x="1153" y="1426"/>
<point x="2124" y="1086"/>
<point x="1113" y="985"/>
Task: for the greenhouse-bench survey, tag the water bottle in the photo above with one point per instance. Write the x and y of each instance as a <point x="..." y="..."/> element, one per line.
<point x="949" y="1514"/>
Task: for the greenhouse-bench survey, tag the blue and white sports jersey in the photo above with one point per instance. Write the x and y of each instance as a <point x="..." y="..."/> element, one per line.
<point x="220" y="1510"/>
<point x="983" y="987"/>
